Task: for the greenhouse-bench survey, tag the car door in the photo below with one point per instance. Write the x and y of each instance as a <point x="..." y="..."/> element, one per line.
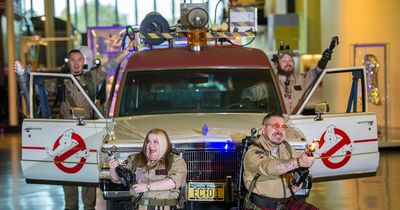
<point x="347" y="134"/>
<point x="55" y="150"/>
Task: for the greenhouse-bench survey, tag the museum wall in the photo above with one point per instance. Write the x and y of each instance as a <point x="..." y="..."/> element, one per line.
<point x="364" y="22"/>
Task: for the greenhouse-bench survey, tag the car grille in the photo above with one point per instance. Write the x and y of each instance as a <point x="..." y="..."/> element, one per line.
<point x="211" y="165"/>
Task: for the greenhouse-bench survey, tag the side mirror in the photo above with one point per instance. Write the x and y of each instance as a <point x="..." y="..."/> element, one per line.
<point x="78" y="113"/>
<point x="321" y="108"/>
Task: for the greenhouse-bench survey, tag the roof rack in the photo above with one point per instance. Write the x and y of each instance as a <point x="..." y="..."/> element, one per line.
<point x="210" y="35"/>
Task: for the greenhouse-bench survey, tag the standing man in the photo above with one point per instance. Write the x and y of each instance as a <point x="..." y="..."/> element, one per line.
<point x="89" y="81"/>
<point x="293" y="85"/>
<point x="268" y="162"/>
<point x="78" y="64"/>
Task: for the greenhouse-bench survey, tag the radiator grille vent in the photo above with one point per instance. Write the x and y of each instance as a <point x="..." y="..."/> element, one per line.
<point x="212" y="165"/>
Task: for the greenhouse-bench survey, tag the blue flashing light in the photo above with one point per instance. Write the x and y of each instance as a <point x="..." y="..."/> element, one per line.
<point x="225" y="146"/>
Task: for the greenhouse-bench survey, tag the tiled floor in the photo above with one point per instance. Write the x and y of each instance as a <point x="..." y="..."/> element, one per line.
<point x="377" y="192"/>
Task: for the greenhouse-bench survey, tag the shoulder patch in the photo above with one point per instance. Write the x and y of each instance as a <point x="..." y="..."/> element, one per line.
<point x="261" y="154"/>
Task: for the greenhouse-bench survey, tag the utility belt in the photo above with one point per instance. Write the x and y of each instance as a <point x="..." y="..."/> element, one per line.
<point x="158" y="202"/>
<point x="267" y="202"/>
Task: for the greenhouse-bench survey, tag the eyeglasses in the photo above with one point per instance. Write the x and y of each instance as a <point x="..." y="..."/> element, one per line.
<point x="277" y="126"/>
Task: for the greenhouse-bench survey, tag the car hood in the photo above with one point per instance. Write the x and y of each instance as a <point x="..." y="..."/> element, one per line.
<point x="186" y="128"/>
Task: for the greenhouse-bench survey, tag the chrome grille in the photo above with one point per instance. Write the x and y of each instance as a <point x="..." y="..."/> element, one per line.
<point x="211" y="165"/>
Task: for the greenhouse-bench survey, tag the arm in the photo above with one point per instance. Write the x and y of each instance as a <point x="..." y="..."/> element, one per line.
<point x="271" y="167"/>
<point x="175" y="178"/>
<point x="118" y="58"/>
<point x="165" y="184"/>
<point x="322" y="63"/>
<point x="113" y="174"/>
<point x="23" y="80"/>
<point x="100" y="74"/>
<point x="326" y="55"/>
<point x="284" y="166"/>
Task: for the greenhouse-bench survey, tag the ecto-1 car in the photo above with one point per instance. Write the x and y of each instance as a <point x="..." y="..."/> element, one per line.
<point x="196" y="94"/>
<point x="196" y="98"/>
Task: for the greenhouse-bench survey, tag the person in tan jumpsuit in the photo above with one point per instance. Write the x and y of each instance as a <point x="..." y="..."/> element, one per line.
<point x="269" y="159"/>
<point x="73" y="98"/>
<point x="160" y="173"/>
<point x="292" y="85"/>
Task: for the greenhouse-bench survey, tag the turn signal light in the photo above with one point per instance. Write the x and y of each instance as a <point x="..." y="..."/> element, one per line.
<point x="197" y="39"/>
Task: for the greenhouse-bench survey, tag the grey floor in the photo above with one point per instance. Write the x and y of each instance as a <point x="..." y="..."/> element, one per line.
<point x="376" y="192"/>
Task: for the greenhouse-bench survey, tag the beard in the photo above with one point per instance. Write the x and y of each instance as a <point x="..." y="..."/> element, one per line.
<point x="287" y="72"/>
<point x="77" y="74"/>
<point x="277" y="138"/>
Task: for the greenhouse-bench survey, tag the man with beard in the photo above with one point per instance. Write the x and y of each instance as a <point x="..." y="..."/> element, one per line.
<point x="267" y="165"/>
<point x="292" y="85"/>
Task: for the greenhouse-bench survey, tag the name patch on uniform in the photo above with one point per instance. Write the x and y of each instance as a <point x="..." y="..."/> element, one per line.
<point x="161" y="172"/>
<point x="297" y="87"/>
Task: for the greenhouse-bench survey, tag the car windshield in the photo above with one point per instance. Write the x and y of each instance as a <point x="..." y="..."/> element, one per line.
<point x="199" y="90"/>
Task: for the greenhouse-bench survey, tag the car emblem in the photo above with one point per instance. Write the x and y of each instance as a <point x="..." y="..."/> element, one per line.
<point x="204" y="130"/>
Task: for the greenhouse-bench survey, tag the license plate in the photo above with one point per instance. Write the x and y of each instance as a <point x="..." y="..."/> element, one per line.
<point x="206" y="191"/>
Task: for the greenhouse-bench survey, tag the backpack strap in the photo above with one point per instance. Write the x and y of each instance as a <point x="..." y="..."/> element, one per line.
<point x="288" y="148"/>
<point x="248" y="204"/>
<point x="251" y="188"/>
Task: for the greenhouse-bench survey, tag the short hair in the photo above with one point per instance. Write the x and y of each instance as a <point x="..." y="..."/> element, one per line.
<point x="73" y="51"/>
<point x="272" y="114"/>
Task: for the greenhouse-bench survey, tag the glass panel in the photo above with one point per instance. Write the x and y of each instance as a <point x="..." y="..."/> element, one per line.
<point x="50" y="99"/>
<point x="91" y="13"/>
<point x="164" y="7"/>
<point x="45" y="98"/>
<point x="215" y="13"/>
<point x="126" y="10"/>
<point x="343" y="83"/>
<point x="144" y="7"/>
<point x="60" y="9"/>
<point x="203" y="90"/>
<point x="28" y="9"/>
<point x="374" y="57"/>
<point x="107" y="13"/>
<point x="176" y="11"/>
<point x="38" y="8"/>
